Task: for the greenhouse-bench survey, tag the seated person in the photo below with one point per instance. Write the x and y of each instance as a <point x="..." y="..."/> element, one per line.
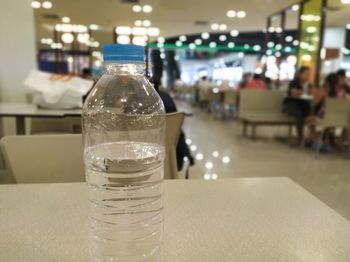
<point x="257" y="83"/>
<point x="182" y="149"/>
<point x="293" y="105"/>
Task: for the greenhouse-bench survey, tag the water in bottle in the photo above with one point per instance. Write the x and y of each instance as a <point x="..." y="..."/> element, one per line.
<point x="124" y="132"/>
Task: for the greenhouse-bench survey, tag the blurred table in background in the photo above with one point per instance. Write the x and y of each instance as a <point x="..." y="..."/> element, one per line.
<point x="22" y="110"/>
<point x="248" y="219"/>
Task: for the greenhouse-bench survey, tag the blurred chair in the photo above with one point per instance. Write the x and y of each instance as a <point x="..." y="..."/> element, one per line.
<point x="173" y="129"/>
<point x="337" y="115"/>
<point x="44" y="125"/>
<point x="262" y="107"/>
<point x="44" y="158"/>
<point x="229" y="102"/>
<point x="59" y="158"/>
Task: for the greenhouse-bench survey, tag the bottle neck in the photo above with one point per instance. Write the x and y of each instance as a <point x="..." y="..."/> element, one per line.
<point x="124" y="68"/>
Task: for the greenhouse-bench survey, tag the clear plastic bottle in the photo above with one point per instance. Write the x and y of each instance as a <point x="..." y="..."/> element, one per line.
<point x="124" y="147"/>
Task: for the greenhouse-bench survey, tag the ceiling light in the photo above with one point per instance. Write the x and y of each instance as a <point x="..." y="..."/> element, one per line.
<point x="160" y="45"/>
<point x="246" y="46"/>
<point x="139" y="31"/>
<point x="212" y="44"/>
<point x="96" y="44"/>
<point x="311" y="29"/>
<point x="183" y="38"/>
<point x="35" y="4"/>
<point x="199" y="156"/>
<point x="93" y="27"/>
<point x="209" y="165"/>
<point x="289" y="38"/>
<point x="306" y="58"/>
<point x="278" y="47"/>
<point x="138" y="23"/>
<point x="234" y="33"/>
<point x="231" y="45"/>
<point x="240" y="54"/>
<point x="65" y="19"/>
<point x="257" y="48"/>
<point x="222" y="38"/>
<point x="43" y="41"/>
<point x="198" y="41"/>
<point x="123" y="39"/>
<point x="288" y="49"/>
<point x="214" y="27"/>
<point x="47" y="4"/>
<point x="231" y="13"/>
<point x="226" y="160"/>
<point x="137" y="8"/>
<point x="79" y="28"/>
<point x="223" y="27"/>
<point x="161" y="39"/>
<point x="162" y="56"/>
<point x="206" y="176"/>
<point x="179" y="43"/>
<point x="193" y="46"/>
<point x="295" y="7"/>
<point x="83" y="38"/>
<point x="139" y="40"/>
<point x="123" y="30"/>
<point x="188" y="141"/>
<point x="268" y="52"/>
<point x="304" y="45"/>
<point x="214" y="176"/>
<point x="146" y="23"/>
<point x="270" y="44"/>
<point x="278" y="54"/>
<point x="193" y="147"/>
<point x="215" y="154"/>
<point x="345" y="2"/>
<point x="295" y="42"/>
<point x="205" y="35"/>
<point x="67" y="38"/>
<point x="153" y="31"/>
<point x="279" y="30"/>
<point x="241" y="14"/>
<point x="271" y="29"/>
<point x="56" y="45"/>
<point x="147" y="8"/>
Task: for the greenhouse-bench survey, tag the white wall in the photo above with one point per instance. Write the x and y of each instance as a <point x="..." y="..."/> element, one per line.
<point x="334" y="38"/>
<point x="17" y="48"/>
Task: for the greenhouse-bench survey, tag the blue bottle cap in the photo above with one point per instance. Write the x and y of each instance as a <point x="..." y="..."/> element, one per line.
<point x="123" y="53"/>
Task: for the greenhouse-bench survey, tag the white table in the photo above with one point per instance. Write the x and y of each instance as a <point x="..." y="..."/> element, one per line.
<point x="22" y="110"/>
<point x="258" y="219"/>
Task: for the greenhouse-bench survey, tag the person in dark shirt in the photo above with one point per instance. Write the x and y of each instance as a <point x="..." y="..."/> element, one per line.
<point x="295" y="106"/>
<point x="342" y="86"/>
<point x="182" y="149"/>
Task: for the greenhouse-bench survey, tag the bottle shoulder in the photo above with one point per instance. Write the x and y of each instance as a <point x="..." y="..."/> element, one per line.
<point x="124" y="93"/>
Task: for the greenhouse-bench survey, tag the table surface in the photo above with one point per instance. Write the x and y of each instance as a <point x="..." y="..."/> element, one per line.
<point x="25" y="109"/>
<point x="250" y="219"/>
<point x="31" y="110"/>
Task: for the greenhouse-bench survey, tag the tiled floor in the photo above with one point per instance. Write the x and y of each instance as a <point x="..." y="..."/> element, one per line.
<point x="328" y="178"/>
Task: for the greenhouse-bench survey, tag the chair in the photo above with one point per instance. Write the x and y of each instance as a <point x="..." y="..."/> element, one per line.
<point x="44" y="158"/>
<point x="262" y="107"/>
<point x="173" y="129"/>
<point x="230" y="101"/>
<point x="59" y="158"/>
<point x="337" y="115"/>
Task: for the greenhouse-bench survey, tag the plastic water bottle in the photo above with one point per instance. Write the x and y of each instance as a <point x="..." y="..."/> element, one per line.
<point x="124" y="136"/>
